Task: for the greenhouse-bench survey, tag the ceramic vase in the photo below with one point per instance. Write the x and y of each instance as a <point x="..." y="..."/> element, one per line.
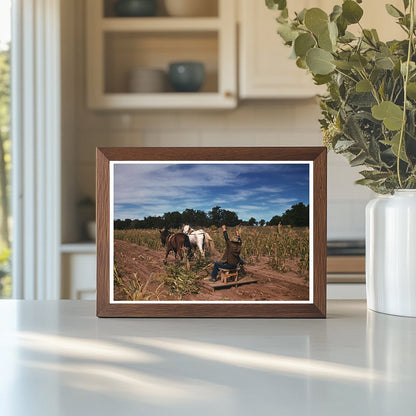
<point x="391" y="253"/>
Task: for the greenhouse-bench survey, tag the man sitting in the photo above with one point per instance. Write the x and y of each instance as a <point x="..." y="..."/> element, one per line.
<point x="231" y="258"/>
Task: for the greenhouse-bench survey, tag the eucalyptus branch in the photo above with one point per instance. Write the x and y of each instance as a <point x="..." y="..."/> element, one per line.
<point x="346" y="75"/>
<point x="406" y="80"/>
<point x="373" y="88"/>
<point x="392" y="91"/>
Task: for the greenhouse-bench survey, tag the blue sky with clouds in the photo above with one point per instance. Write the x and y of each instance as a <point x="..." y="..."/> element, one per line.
<point x="251" y="190"/>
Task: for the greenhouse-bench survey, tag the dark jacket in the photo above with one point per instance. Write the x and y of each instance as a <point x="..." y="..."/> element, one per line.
<point x="232" y="251"/>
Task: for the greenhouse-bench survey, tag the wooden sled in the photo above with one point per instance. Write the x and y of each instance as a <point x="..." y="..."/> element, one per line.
<point x="226" y="274"/>
<point x="220" y="285"/>
<point x="229" y="278"/>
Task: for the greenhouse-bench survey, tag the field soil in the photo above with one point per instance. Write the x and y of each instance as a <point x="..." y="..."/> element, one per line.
<point x="143" y="268"/>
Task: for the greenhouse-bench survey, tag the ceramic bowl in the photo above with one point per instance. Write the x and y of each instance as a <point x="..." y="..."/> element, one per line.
<point x="147" y="80"/>
<point x="186" y="76"/>
<point x="135" y="8"/>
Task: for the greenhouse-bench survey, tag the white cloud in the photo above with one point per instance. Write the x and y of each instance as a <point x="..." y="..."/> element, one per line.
<point x="282" y="200"/>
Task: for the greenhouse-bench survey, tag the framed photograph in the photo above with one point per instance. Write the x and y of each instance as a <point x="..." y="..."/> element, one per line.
<point x="211" y="232"/>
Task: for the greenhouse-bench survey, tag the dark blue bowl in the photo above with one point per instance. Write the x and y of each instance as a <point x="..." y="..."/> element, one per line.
<point x="135" y="8"/>
<point x="186" y="76"/>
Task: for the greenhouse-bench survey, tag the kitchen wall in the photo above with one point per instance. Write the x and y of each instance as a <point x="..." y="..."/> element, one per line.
<point x="253" y="123"/>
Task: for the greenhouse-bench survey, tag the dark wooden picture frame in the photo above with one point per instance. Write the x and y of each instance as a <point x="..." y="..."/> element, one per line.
<point x="316" y="308"/>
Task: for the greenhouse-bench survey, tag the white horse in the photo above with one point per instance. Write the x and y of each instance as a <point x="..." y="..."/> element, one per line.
<point x="199" y="239"/>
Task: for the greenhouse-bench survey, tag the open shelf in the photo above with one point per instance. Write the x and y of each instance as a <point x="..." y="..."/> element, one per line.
<point x="116" y="46"/>
<point x="210" y="9"/>
<point x="126" y="51"/>
<point x="160" y="24"/>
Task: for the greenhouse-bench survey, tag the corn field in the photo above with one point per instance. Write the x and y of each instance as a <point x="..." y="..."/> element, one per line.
<point x="276" y="243"/>
<point x="148" y="238"/>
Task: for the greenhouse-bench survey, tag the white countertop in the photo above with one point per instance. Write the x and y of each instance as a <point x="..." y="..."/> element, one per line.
<point x="57" y="358"/>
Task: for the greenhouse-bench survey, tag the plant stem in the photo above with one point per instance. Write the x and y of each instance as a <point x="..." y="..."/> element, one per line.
<point x="346" y="75"/>
<point x="406" y="80"/>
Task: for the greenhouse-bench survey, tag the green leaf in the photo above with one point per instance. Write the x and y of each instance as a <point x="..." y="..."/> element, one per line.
<point x="347" y="37"/>
<point x="362" y="99"/>
<point x="316" y="20"/>
<point x="342" y="25"/>
<point x="301" y="63"/>
<point x="351" y="11"/>
<point x="411" y="90"/>
<point x="388" y="112"/>
<point x="287" y="33"/>
<point x="345" y="65"/>
<point x="384" y="62"/>
<point x="394" y="144"/>
<point x="343" y="145"/>
<point x="374" y="175"/>
<point x="393" y="11"/>
<point x="412" y="67"/>
<point x="358" y="61"/>
<point x="276" y="4"/>
<point x="365" y="182"/>
<point x="354" y="132"/>
<point x="368" y="36"/>
<point x="303" y="43"/>
<point x="358" y="160"/>
<point x="319" y="61"/>
<point x="406" y="4"/>
<point x="333" y="32"/>
<point x="375" y="35"/>
<point x="301" y="15"/>
<point x="321" y="79"/>
<point x="336" y="12"/>
<point x="363" y="86"/>
<point x="325" y="42"/>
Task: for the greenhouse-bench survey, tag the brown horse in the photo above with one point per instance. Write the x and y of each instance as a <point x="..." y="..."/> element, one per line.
<point x="174" y="242"/>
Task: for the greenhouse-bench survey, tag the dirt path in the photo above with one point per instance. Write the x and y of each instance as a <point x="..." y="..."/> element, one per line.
<point x="141" y="269"/>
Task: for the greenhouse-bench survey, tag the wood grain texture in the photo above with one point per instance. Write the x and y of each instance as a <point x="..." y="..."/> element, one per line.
<point x="319" y="230"/>
<point x="103" y="231"/>
<point x="346" y="264"/>
<point x="317" y="309"/>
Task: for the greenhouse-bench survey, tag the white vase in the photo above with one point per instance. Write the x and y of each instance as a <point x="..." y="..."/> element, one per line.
<point x="391" y="253"/>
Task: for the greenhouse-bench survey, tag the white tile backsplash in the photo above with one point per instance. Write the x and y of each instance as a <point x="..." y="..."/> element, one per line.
<point x="258" y="123"/>
<point x="346" y="219"/>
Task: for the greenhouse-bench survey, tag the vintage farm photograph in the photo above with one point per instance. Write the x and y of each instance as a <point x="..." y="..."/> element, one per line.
<point x="202" y="231"/>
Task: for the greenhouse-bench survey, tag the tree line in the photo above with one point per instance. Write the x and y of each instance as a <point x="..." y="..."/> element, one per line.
<point x="296" y="216"/>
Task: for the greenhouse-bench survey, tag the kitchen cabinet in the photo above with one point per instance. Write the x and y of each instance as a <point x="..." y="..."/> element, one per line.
<point x="118" y="45"/>
<point x="265" y="70"/>
<point x="78" y="262"/>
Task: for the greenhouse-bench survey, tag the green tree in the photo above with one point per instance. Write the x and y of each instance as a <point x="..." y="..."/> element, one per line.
<point x="5" y="160"/>
<point x="252" y="221"/>
<point x="230" y="218"/>
<point x="296" y="216"/>
<point x="276" y="220"/>
<point x="216" y="216"/>
<point x="173" y="219"/>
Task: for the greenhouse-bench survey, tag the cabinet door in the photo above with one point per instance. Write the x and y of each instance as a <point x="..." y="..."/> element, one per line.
<point x="376" y="17"/>
<point x="265" y="68"/>
<point x="266" y="71"/>
<point x="78" y="276"/>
